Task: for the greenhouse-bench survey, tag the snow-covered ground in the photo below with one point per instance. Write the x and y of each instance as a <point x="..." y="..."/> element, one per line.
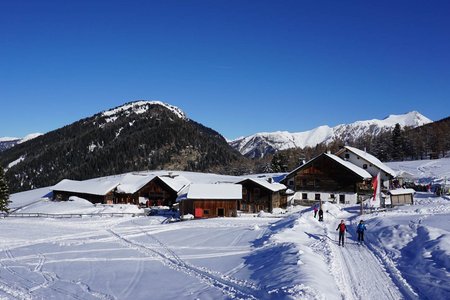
<point x="406" y="254"/>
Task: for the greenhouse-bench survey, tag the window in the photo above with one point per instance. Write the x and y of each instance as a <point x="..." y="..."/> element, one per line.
<point x="291" y="183"/>
<point x="317" y="197"/>
<point x="342" y="199"/>
<point x="304" y="196"/>
<point x="206" y="211"/>
<point x="364" y="166"/>
<point x="332" y="196"/>
<point x="347" y="156"/>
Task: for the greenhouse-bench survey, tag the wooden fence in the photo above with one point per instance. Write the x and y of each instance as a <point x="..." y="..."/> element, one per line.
<point x="66" y="216"/>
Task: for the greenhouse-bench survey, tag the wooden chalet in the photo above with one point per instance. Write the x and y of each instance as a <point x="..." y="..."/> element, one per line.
<point x="95" y="191"/>
<point x="261" y="195"/>
<point x="210" y="200"/>
<point x="138" y="189"/>
<point x="150" y="190"/>
<point x="328" y="178"/>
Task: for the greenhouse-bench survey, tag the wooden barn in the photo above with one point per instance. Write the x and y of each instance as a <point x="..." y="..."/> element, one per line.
<point x="328" y="178"/>
<point x="210" y="200"/>
<point x="95" y="191"/>
<point x="149" y="190"/>
<point x="261" y="195"/>
<point x="401" y="196"/>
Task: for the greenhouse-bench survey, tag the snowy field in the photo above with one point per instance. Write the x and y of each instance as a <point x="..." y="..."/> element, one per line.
<point x="406" y="254"/>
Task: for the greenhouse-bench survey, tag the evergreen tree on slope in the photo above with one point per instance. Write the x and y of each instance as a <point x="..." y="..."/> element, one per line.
<point x="4" y="192"/>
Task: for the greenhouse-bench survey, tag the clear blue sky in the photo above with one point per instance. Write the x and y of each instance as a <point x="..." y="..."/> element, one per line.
<point x="239" y="67"/>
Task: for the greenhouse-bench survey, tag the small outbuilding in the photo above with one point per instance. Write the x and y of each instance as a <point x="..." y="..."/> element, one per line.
<point x="261" y="195"/>
<point x="402" y="196"/>
<point x="210" y="200"/>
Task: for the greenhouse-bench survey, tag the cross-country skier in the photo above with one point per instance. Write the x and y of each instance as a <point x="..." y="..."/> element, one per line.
<point x="320" y="215"/>
<point x="360" y="230"/>
<point x="315" y="211"/>
<point x="342" y="229"/>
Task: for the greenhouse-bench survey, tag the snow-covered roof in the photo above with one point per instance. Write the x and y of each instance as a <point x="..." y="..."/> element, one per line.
<point x="274" y="186"/>
<point x="354" y="168"/>
<point x="357" y="170"/>
<point x="371" y="159"/>
<point x="402" y="191"/>
<point x="93" y="187"/>
<point x="215" y="191"/>
<point x="175" y="182"/>
<point x="131" y="183"/>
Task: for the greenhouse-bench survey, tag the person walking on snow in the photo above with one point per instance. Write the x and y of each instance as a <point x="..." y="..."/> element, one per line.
<point x="320" y="215"/>
<point x="315" y="211"/>
<point x="360" y="230"/>
<point x="342" y="229"/>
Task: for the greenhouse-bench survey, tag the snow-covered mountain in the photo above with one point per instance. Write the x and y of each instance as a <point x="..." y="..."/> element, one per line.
<point x="138" y="135"/>
<point x="9" y="142"/>
<point x="260" y="144"/>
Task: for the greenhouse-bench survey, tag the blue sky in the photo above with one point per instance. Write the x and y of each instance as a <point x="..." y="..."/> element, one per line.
<point x="239" y="67"/>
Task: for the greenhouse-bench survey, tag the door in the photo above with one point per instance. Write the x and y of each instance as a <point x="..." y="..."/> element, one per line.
<point x="221" y="212"/>
<point x="198" y="212"/>
<point x="342" y="199"/>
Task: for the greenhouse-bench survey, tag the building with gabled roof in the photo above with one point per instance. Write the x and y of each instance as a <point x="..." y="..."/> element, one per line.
<point x="261" y="195"/>
<point x="367" y="162"/>
<point x="327" y="177"/>
<point x="96" y="191"/>
<point x="210" y="200"/>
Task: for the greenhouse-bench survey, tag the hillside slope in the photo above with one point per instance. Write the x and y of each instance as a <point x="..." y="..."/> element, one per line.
<point x="136" y="136"/>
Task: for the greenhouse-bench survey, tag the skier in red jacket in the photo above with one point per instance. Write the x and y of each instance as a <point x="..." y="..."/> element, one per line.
<point x="342" y="229"/>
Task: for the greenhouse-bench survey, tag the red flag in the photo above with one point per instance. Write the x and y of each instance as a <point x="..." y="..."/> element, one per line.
<point x="375" y="186"/>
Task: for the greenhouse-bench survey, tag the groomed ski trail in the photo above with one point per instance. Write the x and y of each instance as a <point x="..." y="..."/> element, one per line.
<point x="359" y="274"/>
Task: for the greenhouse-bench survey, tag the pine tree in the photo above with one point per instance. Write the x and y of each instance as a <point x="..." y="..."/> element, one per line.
<point x="397" y="151"/>
<point x="4" y="193"/>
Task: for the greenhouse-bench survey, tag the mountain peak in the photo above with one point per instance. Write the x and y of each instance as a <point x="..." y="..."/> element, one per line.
<point x="410" y="119"/>
<point x="259" y="144"/>
<point x="141" y="106"/>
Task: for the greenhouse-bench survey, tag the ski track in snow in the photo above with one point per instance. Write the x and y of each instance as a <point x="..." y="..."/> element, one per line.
<point x="23" y="285"/>
<point x="230" y="286"/>
<point x="358" y="272"/>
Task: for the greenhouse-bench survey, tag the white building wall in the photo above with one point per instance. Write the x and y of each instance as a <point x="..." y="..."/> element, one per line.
<point x="350" y="198"/>
<point x="373" y="170"/>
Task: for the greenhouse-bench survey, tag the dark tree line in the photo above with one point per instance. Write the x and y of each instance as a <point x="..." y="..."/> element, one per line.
<point x="4" y="193"/>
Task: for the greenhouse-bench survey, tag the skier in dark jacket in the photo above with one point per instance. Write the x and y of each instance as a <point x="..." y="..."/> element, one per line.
<point x="342" y="229"/>
<point x="360" y="230"/>
<point x="320" y="214"/>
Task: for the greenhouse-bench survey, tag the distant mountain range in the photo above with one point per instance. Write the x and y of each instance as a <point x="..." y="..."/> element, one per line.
<point x="9" y="142"/>
<point x="260" y="144"/>
<point x="141" y="135"/>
